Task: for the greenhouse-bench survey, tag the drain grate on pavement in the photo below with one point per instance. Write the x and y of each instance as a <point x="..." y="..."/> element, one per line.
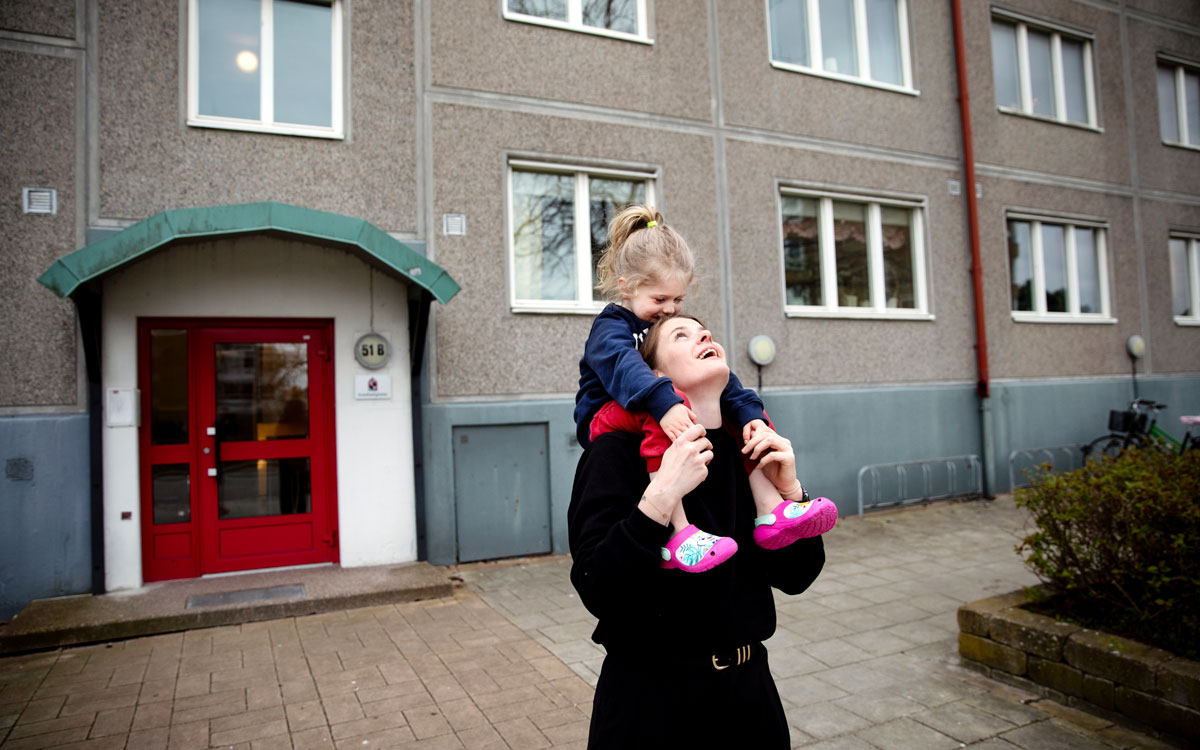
<point x="245" y="595"/>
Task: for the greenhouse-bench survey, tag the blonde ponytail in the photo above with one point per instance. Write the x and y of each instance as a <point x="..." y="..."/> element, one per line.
<point x="641" y="248"/>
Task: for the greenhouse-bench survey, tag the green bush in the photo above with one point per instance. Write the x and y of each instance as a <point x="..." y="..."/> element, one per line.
<point x="1118" y="541"/>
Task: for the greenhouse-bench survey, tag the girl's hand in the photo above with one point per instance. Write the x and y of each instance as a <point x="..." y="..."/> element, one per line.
<point x="684" y="467"/>
<point x="677" y="420"/>
<point x="749" y="429"/>
<point x="775" y="457"/>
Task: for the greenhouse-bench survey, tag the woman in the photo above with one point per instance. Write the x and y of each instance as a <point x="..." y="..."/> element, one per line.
<point x="685" y="661"/>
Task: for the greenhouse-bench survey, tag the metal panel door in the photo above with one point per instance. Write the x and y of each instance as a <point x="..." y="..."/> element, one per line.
<point x="502" y="491"/>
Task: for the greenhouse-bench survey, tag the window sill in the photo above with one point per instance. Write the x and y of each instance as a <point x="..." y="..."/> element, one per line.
<point x="844" y="78"/>
<point x="547" y="308"/>
<point x="1184" y="146"/>
<point x="1032" y="317"/>
<point x="252" y="127"/>
<point x="1052" y="121"/>
<point x="1188" y="322"/>
<point x="590" y="30"/>
<point x="852" y="313"/>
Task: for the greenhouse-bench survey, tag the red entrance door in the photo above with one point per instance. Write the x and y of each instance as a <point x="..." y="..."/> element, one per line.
<point x="237" y="462"/>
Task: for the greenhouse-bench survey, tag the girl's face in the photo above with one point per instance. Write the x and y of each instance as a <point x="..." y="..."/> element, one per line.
<point x="687" y="354"/>
<point x="656" y="298"/>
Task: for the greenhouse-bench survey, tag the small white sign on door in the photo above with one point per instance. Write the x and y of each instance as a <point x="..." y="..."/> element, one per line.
<point x="372" y="387"/>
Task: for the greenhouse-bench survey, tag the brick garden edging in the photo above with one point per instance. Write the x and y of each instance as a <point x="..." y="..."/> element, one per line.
<point x="1089" y="669"/>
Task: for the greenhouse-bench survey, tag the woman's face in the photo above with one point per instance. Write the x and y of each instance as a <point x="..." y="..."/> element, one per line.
<point x="687" y="354"/>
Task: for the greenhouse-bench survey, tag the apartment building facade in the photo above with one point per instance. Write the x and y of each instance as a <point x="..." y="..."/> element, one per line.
<point x="308" y="282"/>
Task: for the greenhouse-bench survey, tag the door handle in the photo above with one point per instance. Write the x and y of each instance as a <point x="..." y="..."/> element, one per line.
<point x="212" y="432"/>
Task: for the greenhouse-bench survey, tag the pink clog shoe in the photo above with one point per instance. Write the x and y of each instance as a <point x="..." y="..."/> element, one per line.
<point x="791" y="521"/>
<point x="696" y="551"/>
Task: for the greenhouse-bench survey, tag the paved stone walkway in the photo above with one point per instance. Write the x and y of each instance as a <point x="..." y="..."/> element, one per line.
<point x="865" y="660"/>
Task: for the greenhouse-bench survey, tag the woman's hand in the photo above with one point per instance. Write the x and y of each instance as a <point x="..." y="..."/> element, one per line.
<point x="677" y="419"/>
<point x="776" y="459"/>
<point x="684" y="467"/>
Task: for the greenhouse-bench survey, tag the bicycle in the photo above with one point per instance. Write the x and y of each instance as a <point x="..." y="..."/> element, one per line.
<point x="1138" y="426"/>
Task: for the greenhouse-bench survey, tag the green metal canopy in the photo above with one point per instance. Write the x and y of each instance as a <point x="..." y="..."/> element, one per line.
<point x="70" y="272"/>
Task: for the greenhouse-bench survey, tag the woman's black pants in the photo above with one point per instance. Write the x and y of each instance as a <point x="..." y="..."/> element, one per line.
<point x="660" y="705"/>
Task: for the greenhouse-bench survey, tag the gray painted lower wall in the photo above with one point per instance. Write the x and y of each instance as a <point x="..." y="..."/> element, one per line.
<point x="1029" y="415"/>
<point x="45" y="541"/>
<point x="439" y="421"/>
<point x="835" y="431"/>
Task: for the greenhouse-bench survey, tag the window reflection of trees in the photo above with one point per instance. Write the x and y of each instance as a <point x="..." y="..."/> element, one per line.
<point x="544" y="235"/>
<point x="553" y="9"/>
<point x="852" y="253"/>
<point x="544" y="217"/>
<point x="616" y="15"/>
<point x="1020" y="263"/>
<point x="261" y="391"/>
<point x="607" y="198"/>
<point x="898" y="257"/>
<point x="802" y="251"/>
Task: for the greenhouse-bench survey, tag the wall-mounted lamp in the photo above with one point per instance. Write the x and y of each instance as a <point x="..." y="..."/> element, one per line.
<point x="762" y="352"/>
<point x="1135" y="347"/>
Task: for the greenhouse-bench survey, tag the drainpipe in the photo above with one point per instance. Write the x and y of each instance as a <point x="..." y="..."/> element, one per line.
<point x="983" y="385"/>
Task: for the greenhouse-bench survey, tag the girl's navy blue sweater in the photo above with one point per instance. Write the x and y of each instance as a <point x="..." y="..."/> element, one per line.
<point x="612" y="369"/>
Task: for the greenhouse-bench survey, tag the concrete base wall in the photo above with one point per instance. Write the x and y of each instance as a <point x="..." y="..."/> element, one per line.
<point x="1036" y="414"/>
<point x="45" y="538"/>
<point x="835" y="431"/>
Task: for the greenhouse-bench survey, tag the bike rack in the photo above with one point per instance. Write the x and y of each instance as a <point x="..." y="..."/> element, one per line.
<point x="972" y="465"/>
<point x="1073" y="453"/>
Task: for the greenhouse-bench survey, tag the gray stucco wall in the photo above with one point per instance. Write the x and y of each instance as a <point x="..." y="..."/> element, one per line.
<point x="151" y="160"/>
<point x="824" y="351"/>
<point x="45" y="542"/>
<point x="1172" y="348"/>
<point x="474" y="47"/>
<point x="1037" y="349"/>
<point x="46" y="17"/>
<point x="37" y="149"/>
<point x="1159" y="167"/>
<point x="1024" y="142"/>
<point x="759" y="96"/>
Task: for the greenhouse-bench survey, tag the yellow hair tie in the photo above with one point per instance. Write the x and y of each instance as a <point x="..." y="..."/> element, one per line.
<point x="651" y="223"/>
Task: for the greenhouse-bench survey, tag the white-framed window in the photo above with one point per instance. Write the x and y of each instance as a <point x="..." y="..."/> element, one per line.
<point x="270" y="66"/>
<point x="1042" y="71"/>
<point x="558" y="219"/>
<point x="1179" y="103"/>
<point x="853" y="256"/>
<point x="1184" y="250"/>
<point x="621" y="19"/>
<point x="863" y="41"/>
<point x="1058" y="269"/>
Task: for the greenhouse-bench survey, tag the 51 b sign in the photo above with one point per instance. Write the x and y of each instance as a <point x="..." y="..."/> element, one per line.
<point x="372" y="351"/>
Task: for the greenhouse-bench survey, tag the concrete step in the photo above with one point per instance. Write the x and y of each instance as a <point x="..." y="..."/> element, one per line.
<point x="171" y="606"/>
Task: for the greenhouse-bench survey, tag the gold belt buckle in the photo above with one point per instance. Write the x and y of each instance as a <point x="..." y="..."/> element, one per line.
<point x="743" y="656"/>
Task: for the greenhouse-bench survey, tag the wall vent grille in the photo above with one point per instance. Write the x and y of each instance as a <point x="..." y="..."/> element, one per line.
<point x="37" y="200"/>
<point x="454" y="224"/>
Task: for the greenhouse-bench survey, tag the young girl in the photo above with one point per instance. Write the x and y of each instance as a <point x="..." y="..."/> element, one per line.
<point x="648" y="267"/>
